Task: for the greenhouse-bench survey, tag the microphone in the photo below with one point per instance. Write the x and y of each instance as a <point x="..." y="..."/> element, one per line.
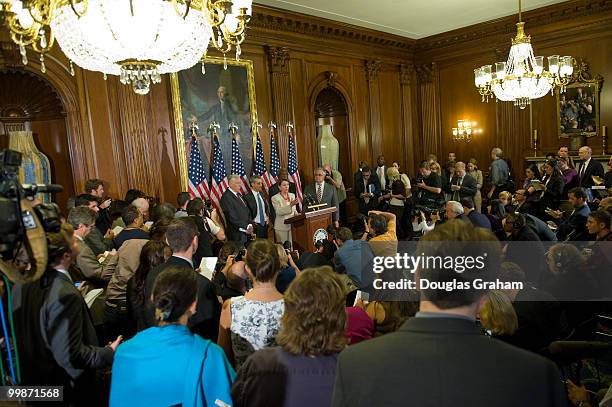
<point x="43" y="188"/>
<point x="309" y="200"/>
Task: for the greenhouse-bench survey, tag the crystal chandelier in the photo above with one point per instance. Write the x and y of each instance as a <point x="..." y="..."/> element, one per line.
<point x="523" y="77"/>
<point x="138" y="40"/>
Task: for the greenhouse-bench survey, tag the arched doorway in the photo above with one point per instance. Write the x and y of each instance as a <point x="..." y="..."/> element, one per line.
<point x="30" y="103"/>
<point x="331" y="110"/>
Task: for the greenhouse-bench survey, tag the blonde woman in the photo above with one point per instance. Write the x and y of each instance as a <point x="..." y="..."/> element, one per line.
<point x="472" y="169"/>
<point x="497" y="315"/>
<point x="284" y="204"/>
<point x="402" y="177"/>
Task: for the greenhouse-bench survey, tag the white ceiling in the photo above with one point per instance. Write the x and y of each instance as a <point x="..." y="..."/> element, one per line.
<point x="408" y="18"/>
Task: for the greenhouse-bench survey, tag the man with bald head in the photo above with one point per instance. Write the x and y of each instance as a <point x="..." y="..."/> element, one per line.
<point x="143" y="206"/>
<point x="462" y="185"/>
<point x="588" y="167"/>
<point x="237" y="214"/>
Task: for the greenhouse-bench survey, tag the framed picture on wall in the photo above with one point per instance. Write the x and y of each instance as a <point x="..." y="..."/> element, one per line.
<point x="224" y="94"/>
<point x="578" y="106"/>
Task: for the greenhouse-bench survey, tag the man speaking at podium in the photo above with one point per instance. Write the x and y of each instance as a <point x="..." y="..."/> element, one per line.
<point x="322" y="193"/>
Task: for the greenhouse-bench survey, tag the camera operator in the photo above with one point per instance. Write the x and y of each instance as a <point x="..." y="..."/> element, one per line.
<point x="54" y="325"/>
<point x="430" y="186"/>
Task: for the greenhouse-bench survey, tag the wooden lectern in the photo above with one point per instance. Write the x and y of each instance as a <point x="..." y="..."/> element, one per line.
<point x="305" y="225"/>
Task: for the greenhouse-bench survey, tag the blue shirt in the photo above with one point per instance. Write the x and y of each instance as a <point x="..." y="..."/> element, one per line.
<point x="164" y="366"/>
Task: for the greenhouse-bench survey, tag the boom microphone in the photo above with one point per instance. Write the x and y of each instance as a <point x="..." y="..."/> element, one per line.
<point x="43" y="188"/>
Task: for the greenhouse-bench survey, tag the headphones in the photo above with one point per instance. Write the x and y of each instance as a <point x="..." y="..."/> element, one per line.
<point x="516" y="220"/>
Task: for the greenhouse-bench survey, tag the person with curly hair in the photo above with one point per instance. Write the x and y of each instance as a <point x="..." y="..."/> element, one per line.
<point x="301" y="370"/>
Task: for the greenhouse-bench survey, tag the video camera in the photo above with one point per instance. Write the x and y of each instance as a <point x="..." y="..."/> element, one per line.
<point x="15" y="221"/>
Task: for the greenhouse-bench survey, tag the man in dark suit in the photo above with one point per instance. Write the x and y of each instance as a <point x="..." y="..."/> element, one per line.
<point x="182" y="237"/>
<point x="439" y="356"/>
<point x="574" y="228"/>
<point x="478" y="219"/>
<point x="259" y="207"/>
<point x="588" y="167"/>
<point x="367" y="191"/>
<point x="462" y="185"/>
<point x="237" y="214"/>
<point x="54" y="330"/>
<point x="323" y="192"/>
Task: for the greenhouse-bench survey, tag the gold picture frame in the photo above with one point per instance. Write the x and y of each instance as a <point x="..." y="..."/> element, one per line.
<point x="193" y="98"/>
<point x="578" y="106"/>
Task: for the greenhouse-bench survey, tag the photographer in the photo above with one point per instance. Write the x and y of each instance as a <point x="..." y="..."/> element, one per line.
<point x="54" y="325"/>
<point x="207" y="229"/>
<point x="381" y="226"/>
<point x="225" y="261"/>
<point x="430" y="186"/>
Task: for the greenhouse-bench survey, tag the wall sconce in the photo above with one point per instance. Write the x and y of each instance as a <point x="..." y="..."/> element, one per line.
<point x="465" y="130"/>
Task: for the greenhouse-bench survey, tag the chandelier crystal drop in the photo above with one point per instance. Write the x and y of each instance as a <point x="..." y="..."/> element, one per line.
<point x="137" y="40"/>
<point x="523" y="77"/>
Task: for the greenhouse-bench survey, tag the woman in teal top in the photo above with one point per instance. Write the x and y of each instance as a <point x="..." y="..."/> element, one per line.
<point x="167" y="365"/>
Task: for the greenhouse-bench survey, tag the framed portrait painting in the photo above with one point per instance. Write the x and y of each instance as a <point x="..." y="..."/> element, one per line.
<point x="223" y="95"/>
<point x="578" y="106"/>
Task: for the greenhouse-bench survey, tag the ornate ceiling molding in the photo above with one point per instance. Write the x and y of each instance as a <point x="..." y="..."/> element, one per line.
<point x="570" y="10"/>
<point x="271" y="19"/>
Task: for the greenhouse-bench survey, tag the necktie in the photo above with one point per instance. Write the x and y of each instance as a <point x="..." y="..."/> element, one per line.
<point x="319" y="193"/>
<point x="456" y="196"/>
<point x="582" y="167"/>
<point x="239" y="195"/>
<point x="260" y="209"/>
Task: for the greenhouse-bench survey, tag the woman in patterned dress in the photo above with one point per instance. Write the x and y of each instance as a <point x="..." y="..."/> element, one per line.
<point x="251" y="322"/>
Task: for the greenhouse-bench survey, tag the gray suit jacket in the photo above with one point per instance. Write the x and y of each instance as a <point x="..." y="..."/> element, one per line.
<point x="437" y="362"/>
<point x="67" y="329"/>
<point x="237" y="216"/>
<point x="330" y="197"/>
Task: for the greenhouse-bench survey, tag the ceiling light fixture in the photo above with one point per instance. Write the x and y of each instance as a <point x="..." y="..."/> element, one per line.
<point x="523" y="76"/>
<point x="137" y="40"/>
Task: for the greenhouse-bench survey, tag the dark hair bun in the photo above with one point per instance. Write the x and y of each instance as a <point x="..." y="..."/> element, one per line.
<point x="174" y="292"/>
<point x="164" y="305"/>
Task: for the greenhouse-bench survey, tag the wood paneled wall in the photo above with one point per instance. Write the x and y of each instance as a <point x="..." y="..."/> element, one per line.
<point x="582" y="29"/>
<point x="403" y="96"/>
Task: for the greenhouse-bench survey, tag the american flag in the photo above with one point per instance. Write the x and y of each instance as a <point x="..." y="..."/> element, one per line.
<point x="260" y="166"/>
<point x="198" y="177"/>
<point x="238" y="168"/>
<point x="274" y="161"/>
<point x="219" y="176"/>
<point x="292" y="169"/>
